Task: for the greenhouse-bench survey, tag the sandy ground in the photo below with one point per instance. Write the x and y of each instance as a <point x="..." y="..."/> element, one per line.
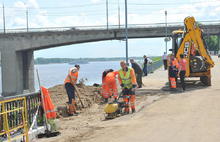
<point x="179" y="117"/>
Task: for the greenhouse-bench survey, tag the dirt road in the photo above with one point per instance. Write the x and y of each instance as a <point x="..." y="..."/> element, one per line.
<point x="180" y="117"/>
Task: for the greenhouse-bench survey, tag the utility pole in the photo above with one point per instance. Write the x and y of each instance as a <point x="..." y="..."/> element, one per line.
<point x="26" y="16"/>
<point x="126" y="32"/>
<point x="4" y="17"/>
<point x="166" y="29"/>
<point x="118" y="15"/>
<point x="107" y="13"/>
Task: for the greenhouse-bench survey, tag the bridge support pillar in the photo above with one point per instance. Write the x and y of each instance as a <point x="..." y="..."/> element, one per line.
<point x="17" y="71"/>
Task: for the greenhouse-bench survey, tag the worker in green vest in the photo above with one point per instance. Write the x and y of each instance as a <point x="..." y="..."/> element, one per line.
<point x="128" y="83"/>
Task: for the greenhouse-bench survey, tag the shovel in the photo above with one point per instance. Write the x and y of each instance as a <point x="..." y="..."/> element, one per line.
<point x="78" y="96"/>
<point x="48" y="133"/>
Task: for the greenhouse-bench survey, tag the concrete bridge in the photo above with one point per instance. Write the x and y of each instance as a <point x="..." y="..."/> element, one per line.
<point x="17" y="58"/>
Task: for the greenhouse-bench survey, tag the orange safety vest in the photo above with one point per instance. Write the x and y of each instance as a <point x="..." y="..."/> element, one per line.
<point x="73" y="76"/>
<point x="175" y="63"/>
<point x="49" y="108"/>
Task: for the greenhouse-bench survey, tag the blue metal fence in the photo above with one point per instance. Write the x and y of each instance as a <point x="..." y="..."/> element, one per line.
<point x="156" y="65"/>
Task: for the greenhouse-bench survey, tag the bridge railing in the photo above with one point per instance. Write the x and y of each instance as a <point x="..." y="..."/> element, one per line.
<point x="104" y="27"/>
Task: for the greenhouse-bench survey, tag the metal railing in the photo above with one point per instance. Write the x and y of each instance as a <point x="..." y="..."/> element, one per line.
<point x="157" y="64"/>
<point x="7" y="111"/>
<point x="15" y="118"/>
<point x="104" y="27"/>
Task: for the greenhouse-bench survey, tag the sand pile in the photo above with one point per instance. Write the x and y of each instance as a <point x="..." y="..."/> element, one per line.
<point x="88" y="94"/>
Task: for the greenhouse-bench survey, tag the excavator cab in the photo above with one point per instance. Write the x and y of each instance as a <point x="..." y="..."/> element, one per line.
<point x="191" y="43"/>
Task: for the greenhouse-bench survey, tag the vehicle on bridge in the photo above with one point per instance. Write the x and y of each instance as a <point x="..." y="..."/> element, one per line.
<point x="191" y="43"/>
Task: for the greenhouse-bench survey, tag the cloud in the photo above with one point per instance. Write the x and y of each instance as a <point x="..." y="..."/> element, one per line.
<point x="32" y="4"/>
<point x="18" y="22"/>
<point x="41" y="20"/>
<point x="19" y="4"/>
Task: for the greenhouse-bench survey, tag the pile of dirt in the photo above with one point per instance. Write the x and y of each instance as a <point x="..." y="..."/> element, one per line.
<point x="88" y="94"/>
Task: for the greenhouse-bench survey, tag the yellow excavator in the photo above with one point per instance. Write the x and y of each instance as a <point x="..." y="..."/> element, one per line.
<point x="191" y="43"/>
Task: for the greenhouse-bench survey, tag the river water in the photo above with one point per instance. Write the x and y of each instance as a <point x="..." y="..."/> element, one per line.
<point x="53" y="74"/>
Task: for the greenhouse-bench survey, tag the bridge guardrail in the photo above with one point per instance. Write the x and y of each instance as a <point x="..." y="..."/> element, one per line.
<point x="103" y="27"/>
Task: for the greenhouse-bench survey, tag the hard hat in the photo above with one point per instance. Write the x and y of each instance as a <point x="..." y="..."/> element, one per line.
<point x="74" y="69"/>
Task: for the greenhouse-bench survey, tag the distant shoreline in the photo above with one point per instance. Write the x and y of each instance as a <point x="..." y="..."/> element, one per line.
<point x="40" y="61"/>
<point x="80" y="64"/>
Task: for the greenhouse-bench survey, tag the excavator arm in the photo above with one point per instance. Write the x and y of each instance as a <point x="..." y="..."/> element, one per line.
<point x="195" y="34"/>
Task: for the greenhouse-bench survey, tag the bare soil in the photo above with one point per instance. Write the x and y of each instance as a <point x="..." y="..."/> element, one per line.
<point x="93" y="113"/>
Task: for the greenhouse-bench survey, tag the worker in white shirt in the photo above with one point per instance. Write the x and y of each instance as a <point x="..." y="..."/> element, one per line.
<point x="151" y="64"/>
<point x="164" y="58"/>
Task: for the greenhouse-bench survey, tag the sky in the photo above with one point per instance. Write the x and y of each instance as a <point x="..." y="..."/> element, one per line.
<point x="73" y="13"/>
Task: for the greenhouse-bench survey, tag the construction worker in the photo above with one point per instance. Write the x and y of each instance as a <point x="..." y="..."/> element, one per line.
<point x="104" y="84"/>
<point x="173" y="67"/>
<point x="182" y="71"/>
<point x="138" y="71"/>
<point x="128" y="83"/>
<point x="110" y="83"/>
<point x="69" y="82"/>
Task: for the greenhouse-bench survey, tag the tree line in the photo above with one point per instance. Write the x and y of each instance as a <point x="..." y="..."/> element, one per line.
<point x="212" y="42"/>
<point x="67" y="60"/>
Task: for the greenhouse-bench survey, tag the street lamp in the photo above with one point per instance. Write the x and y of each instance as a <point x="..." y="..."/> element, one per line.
<point x="26" y="15"/>
<point x="126" y="32"/>
<point x="4" y="17"/>
<point x="107" y="13"/>
<point x="166" y="29"/>
<point x="118" y="15"/>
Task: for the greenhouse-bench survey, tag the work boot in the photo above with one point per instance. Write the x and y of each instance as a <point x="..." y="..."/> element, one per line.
<point x="125" y="113"/>
<point x="106" y="100"/>
<point x="173" y="89"/>
<point x="74" y="114"/>
<point x="133" y="111"/>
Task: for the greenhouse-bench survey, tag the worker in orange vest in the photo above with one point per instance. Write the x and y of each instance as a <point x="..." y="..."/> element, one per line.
<point x="104" y="84"/>
<point x="173" y="67"/>
<point x="69" y="82"/>
<point x="110" y="81"/>
<point x="127" y="79"/>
